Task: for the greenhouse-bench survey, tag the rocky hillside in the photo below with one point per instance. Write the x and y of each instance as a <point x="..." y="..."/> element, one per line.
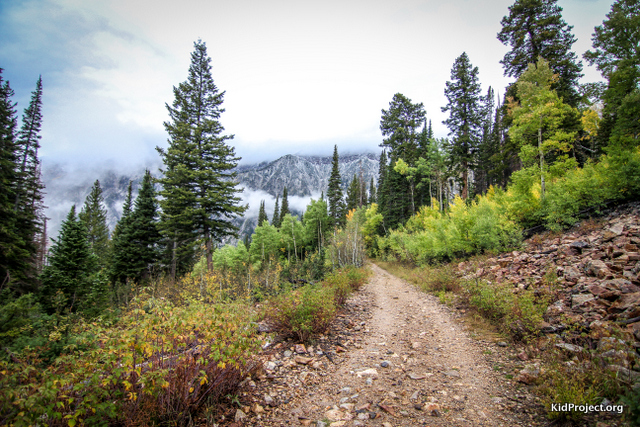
<point x="306" y="175"/>
<point x="594" y="270"/>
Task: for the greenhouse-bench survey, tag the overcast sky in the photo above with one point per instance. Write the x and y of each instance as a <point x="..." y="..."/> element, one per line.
<point x="299" y="76"/>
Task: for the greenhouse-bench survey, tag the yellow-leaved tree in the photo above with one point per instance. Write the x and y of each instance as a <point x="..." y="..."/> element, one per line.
<point x="538" y="117"/>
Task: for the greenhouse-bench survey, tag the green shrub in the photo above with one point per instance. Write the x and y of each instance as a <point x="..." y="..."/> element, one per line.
<point x="160" y="363"/>
<point x="465" y="229"/>
<point x="338" y="282"/>
<point x="632" y="402"/>
<point x="518" y="313"/>
<point x="303" y="313"/>
<point x="356" y="276"/>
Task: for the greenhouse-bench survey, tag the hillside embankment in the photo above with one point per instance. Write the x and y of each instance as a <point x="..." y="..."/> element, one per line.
<point x="594" y="270"/>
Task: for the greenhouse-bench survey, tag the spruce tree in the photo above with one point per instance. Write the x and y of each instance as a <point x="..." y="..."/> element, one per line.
<point x="275" y="220"/>
<point x="382" y="183"/>
<point x="334" y="191"/>
<point x="199" y="194"/>
<point x="285" y="204"/>
<point x="71" y="265"/>
<point x="29" y="137"/>
<point x="94" y="217"/>
<point x="29" y="198"/>
<point x="464" y="122"/>
<point x="262" y="214"/>
<point x="144" y="235"/>
<point x="616" y="55"/>
<point x="487" y="148"/>
<point x="13" y="256"/>
<point x="533" y="29"/>
<point x="399" y="126"/>
<point x="372" y="192"/>
<point x="397" y="203"/>
<point x="120" y="253"/>
<point x="353" y="194"/>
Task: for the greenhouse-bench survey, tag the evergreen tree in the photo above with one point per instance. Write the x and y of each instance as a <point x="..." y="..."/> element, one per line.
<point x="94" y="217"/>
<point x="262" y="214"/>
<point x="399" y="126"/>
<point x="13" y="256"/>
<point x="334" y="192"/>
<point x="616" y="54"/>
<point x="382" y="182"/>
<point x="362" y="189"/>
<point x="505" y="159"/>
<point x="465" y="118"/>
<point x="71" y="265"/>
<point x="372" y="192"/>
<point x="199" y="194"/>
<point x="483" y="175"/>
<point x="353" y="194"/>
<point x="29" y="198"/>
<point x="533" y="29"/>
<point x="285" y="204"/>
<point x="397" y="203"/>
<point x="275" y="220"/>
<point x="121" y="252"/>
<point x="29" y="143"/>
<point x="143" y="235"/>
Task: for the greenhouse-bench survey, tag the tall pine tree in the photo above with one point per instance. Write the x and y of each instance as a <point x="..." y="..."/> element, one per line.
<point x="70" y="269"/>
<point x="262" y="214"/>
<point x="199" y="194"/>
<point x="616" y="53"/>
<point x="533" y="29"/>
<point x="121" y="251"/>
<point x="334" y="192"/>
<point x="465" y="118"/>
<point x="382" y="183"/>
<point x="13" y="256"/>
<point x="400" y="126"/>
<point x="29" y="198"/>
<point x="94" y="217"/>
<point x="275" y="220"/>
<point x="353" y="194"/>
<point x="143" y="234"/>
<point x="285" y="204"/>
<point x="483" y="175"/>
<point x="372" y="192"/>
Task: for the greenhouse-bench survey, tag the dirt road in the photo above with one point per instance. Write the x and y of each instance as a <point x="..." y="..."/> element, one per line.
<point x="395" y="357"/>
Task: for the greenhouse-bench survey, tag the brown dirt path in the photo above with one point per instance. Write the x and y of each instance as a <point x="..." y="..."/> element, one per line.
<point x="406" y="362"/>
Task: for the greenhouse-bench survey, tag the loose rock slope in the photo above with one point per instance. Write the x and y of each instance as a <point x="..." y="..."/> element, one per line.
<point x="596" y="266"/>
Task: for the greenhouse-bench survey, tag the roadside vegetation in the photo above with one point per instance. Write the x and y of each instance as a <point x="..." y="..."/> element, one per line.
<point x="177" y="349"/>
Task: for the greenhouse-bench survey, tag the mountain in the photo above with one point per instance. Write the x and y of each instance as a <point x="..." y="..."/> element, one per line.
<point x="305" y="177"/>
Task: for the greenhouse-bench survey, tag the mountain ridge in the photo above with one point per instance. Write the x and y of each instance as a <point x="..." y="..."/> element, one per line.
<point x="305" y="176"/>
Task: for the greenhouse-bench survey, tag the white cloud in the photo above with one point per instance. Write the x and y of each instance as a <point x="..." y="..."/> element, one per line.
<point x="298" y="76"/>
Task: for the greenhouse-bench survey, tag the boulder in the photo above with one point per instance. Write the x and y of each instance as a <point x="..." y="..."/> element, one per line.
<point x="580" y="299"/>
<point x="529" y="374"/>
